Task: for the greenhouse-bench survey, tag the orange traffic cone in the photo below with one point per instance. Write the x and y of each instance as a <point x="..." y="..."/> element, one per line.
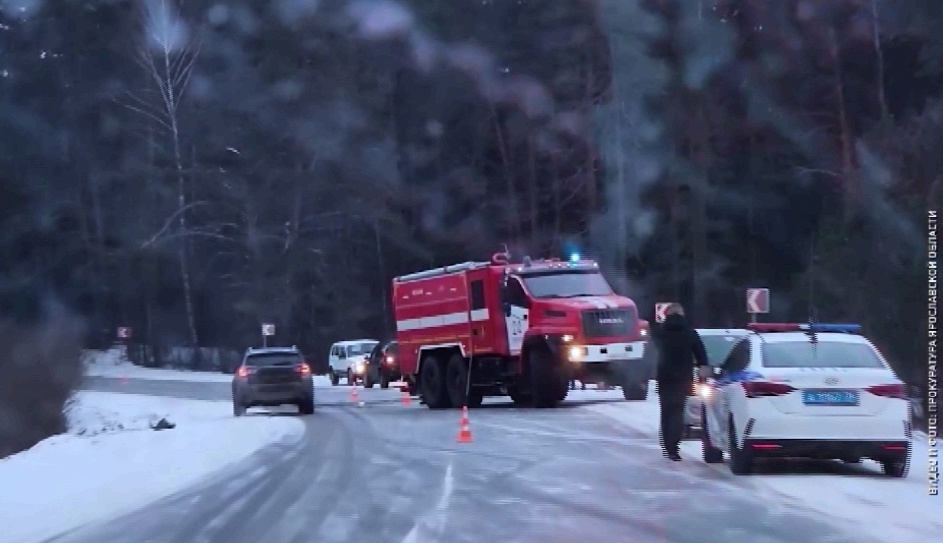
<point x="464" y="434"/>
<point x="353" y="395"/>
<point x="406" y="399"/>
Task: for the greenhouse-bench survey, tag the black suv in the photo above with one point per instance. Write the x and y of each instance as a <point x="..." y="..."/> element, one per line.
<point x="273" y="376"/>
<point x="382" y="366"/>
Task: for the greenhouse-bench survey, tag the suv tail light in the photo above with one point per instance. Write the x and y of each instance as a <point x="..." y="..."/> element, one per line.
<point x="889" y="391"/>
<point x="244" y="372"/>
<point x="762" y="389"/>
<point x="303" y="369"/>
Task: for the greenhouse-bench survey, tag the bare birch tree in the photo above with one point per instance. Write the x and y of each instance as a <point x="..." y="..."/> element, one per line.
<point x="166" y="53"/>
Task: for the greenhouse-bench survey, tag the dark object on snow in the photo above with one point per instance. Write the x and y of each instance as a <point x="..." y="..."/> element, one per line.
<point x="163" y="424"/>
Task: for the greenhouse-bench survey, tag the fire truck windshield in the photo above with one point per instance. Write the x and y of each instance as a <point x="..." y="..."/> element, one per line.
<point x="566" y="284"/>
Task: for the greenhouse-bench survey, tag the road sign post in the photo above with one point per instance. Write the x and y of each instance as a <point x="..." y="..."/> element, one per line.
<point x="757" y="302"/>
<point x="661" y="310"/>
<point x="267" y="331"/>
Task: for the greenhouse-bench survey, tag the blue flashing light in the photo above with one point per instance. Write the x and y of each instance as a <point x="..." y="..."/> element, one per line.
<point x="574" y="257"/>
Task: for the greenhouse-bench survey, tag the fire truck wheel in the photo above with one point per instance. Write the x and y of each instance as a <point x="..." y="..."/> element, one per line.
<point x="432" y="384"/>
<point x="548" y="383"/>
<point x="635" y="391"/>
<point x="456" y="379"/>
<point x="519" y="398"/>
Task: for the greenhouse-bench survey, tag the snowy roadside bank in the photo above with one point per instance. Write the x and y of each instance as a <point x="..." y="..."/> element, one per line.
<point x="112" y="462"/>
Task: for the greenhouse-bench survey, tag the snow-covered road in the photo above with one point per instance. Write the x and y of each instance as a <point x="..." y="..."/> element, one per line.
<point x="377" y="470"/>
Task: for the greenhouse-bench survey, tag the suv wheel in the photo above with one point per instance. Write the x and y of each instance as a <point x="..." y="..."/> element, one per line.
<point x="238" y="409"/>
<point x="306" y="406"/>
<point x="334" y="378"/>
<point x="384" y="380"/>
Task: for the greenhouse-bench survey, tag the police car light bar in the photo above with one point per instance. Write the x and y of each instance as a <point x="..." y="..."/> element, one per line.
<point x="766" y="327"/>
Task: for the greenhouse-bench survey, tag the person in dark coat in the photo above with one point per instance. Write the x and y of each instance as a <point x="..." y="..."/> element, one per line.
<point x="679" y="349"/>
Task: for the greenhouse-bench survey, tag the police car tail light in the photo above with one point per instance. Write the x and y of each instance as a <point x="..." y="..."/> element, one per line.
<point x="889" y="391"/>
<point x="764" y="389"/>
<point x="303" y="369"/>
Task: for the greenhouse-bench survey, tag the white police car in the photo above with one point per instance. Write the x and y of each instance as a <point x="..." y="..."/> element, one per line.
<point x="809" y="391"/>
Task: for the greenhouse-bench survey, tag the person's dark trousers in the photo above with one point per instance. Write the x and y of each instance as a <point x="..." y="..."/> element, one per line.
<point x="671" y="400"/>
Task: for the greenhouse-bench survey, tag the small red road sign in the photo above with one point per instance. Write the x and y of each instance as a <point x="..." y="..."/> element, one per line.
<point x="757" y="300"/>
<point x="661" y="310"/>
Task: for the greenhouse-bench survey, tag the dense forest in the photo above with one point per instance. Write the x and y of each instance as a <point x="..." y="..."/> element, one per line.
<point x="194" y="169"/>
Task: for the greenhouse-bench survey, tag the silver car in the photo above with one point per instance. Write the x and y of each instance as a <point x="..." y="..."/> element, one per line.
<point x="717" y="342"/>
<point x="273" y="376"/>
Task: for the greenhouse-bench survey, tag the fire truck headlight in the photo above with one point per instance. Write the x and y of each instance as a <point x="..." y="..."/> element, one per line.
<point x="643" y="332"/>
<point x="576" y="353"/>
<point x="567" y="338"/>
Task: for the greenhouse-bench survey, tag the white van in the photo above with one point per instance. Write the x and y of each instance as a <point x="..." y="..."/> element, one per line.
<point x="348" y="360"/>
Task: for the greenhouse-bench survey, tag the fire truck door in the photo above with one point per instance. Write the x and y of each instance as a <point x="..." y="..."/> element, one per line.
<point x="516" y="321"/>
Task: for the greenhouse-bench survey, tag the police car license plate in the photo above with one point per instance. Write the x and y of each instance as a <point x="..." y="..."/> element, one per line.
<point x="830" y="397"/>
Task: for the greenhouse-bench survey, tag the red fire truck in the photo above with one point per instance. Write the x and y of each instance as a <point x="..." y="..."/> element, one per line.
<point x="518" y="329"/>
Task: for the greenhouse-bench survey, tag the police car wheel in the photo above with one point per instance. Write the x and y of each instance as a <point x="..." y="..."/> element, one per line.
<point x="711" y="454"/>
<point x="741" y="461"/>
<point x="897" y="467"/>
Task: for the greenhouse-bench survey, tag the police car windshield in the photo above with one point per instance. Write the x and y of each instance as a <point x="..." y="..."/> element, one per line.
<point x="272" y="359"/>
<point x="566" y="284"/>
<point x="823" y="354"/>
<point x="718" y="347"/>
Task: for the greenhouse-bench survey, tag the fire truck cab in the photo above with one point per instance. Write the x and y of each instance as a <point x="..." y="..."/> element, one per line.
<point x="523" y="330"/>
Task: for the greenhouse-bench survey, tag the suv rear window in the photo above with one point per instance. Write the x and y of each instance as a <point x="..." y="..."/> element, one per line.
<point x="273" y="359"/>
<point x="823" y="354"/>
